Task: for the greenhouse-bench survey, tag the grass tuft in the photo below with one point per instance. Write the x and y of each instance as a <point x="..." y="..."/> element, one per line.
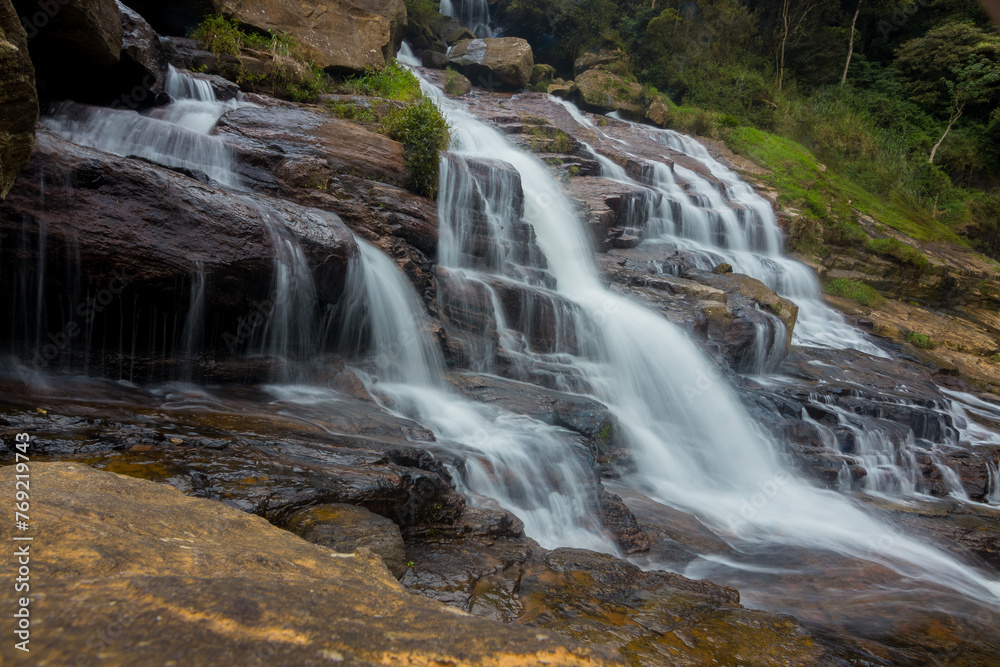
<point x="858" y="291"/>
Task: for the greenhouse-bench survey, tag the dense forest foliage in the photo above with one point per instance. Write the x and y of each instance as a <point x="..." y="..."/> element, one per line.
<point x="899" y="97"/>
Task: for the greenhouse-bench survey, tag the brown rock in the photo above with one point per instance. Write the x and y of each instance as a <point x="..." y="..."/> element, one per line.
<point x="347" y="528"/>
<point x="597" y="59"/>
<point x="500" y="62"/>
<point x="18" y="99"/>
<point x="658" y="113"/>
<point x="193" y="582"/>
<point x="435" y="59"/>
<point x="343" y="35"/>
<point x="603" y="91"/>
<point x="457" y="85"/>
<point x="723" y="269"/>
<point x="562" y="90"/>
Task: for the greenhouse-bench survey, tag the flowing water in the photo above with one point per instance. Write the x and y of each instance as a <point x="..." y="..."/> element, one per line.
<point x="695" y="447"/>
<point x="725" y="222"/>
<point x="473" y="14"/>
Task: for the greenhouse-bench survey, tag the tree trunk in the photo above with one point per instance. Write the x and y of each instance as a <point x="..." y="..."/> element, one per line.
<point x="954" y="117"/>
<point x="850" y="44"/>
<point x="784" y="40"/>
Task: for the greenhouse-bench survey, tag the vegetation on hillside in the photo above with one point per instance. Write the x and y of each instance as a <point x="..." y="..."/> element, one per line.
<point x="898" y="100"/>
<point x="291" y="72"/>
<point x="403" y="113"/>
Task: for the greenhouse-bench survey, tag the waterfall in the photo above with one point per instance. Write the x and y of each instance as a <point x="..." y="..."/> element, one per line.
<point x="532" y="469"/>
<point x="684" y="211"/>
<point x="472" y="14"/>
<point x="176" y="135"/>
<point x="695" y="447"/>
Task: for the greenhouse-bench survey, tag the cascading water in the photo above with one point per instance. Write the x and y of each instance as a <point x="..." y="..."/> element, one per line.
<point x="473" y="14"/>
<point x="695" y="448"/>
<point x="176" y="135"/>
<point x="735" y="225"/>
<point x="530" y="468"/>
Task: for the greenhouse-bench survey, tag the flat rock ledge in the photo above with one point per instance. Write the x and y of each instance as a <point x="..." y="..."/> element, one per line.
<point x="130" y="572"/>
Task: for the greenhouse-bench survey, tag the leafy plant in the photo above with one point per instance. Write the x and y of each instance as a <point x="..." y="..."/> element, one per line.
<point x="424" y="133"/>
<point x="923" y="341"/>
<point x="392" y="82"/>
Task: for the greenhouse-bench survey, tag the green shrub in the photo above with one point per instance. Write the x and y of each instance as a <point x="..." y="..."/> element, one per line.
<point x="424" y="133"/>
<point x="424" y="12"/>
<point x="923" y="341"/>
<point x="393" y="82"/>
<point x="220" y="36"/>
<point x="858" y="291"/>
<point x="291" y="74"/>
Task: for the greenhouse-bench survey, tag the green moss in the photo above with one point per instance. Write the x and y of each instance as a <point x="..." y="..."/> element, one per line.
<point x="923" y="341"/>
<point x="424" y="133"/>
<point x="858" y="291"/>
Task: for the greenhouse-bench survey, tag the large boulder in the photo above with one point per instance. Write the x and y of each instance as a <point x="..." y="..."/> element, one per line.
<point x="344" y="35"/>
<point x="136" y="573"/>
<point x="71" y="40"/>
<point x="499" y="62"/>
<point x="149" y="235"/>
<point x="601" y="91"/>
<point x="18" y="99"/>
<point x="142" y="57"/>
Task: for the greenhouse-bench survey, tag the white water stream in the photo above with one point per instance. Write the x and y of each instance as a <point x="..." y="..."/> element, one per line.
<point x="695" y="447"/>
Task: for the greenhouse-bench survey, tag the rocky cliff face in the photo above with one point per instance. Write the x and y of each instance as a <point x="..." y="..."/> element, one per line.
<point x="18" y="99"/>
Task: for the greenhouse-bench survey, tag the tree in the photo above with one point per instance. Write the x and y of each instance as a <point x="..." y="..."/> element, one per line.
<point x="950" y="69"/>
<point x="850" y="44"/>
<point x="791" y="24"/>
<point x="971" y="84"/>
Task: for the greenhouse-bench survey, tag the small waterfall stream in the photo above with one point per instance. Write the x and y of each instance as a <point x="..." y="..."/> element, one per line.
<point x="686" y="212"/>
<point x="473" y="14"/>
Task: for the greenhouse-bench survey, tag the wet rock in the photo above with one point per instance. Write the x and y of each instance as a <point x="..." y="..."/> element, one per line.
<point x="723" y="269"/>
<point x="346" y="528"/>
<point x="501" y="62"/>
<point x="602" y="91"/>
<point x="139" y="232"/>
<point x="345" y="36"/>
<point x="337" y="166"/>
<point x="18" y="98"/>
<point x="649" y="617"/>
<point x="435" y="59"/>
<point x="143" y="59"/>
<point x="233" y="587"/>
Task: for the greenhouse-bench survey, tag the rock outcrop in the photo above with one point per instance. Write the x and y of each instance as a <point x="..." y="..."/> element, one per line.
<point x="602" y="91"/>
<point x="148" y="231"/>
<point x="500" y="62"/>
<point x="137" y="573"/>
<point x="18" y="98"/>
<point x="72" y="40"/>
<point x="346" y="528"/>
<point x="344" y="36"/>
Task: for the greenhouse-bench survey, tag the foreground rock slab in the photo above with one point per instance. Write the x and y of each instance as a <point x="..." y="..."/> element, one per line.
<point x="137" y="573"/>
